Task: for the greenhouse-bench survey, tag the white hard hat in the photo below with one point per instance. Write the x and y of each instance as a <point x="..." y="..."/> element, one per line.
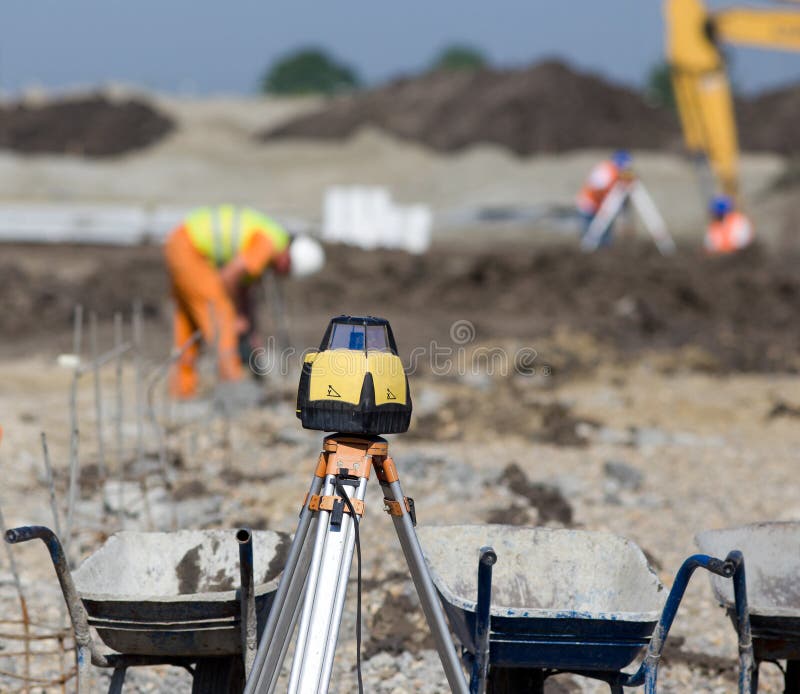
<point x="307" y="256"/>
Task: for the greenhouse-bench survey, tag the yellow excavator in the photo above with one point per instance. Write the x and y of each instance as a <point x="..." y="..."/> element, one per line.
<point x="694" y="44"/>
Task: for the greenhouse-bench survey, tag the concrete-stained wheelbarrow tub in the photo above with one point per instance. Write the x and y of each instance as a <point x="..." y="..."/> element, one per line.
<point x="176" y="593"/>
<point x="192" y="598"/>
<point x="772" y="556"/>
<point x="548" y="600"/>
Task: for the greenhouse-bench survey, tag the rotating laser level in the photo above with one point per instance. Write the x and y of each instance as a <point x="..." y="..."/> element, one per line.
<point x="355" y="383"/>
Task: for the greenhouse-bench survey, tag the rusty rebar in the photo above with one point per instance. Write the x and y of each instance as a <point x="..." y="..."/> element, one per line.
<point x="77" y="330"/>
<point x="148" y="513"/>
<point x="74" y="464"/>
<point x="51" y="484"/>
<point x="74" y="440"/>
<point x="37" y="680"/>
<point x="98" y="397"/>
<point x="138" y="335"/>
<point x="86" y="650"/>
<point x="118" y="415"/>
<point x="153" y="379"/>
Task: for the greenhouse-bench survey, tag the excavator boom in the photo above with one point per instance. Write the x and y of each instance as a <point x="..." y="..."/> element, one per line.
<point x="702" y="90"/>
<point x="701" y="85"/>
<point x="777" y="29"/>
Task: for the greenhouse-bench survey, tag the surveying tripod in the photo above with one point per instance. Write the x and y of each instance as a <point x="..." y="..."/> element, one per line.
<point x="314" y="580"/>
<point x="614" y="204"/>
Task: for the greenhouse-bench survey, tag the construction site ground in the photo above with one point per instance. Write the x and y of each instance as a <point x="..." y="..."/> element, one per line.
<point x="650" y="397"/>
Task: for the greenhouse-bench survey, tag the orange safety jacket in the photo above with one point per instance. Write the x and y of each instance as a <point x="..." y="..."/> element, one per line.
<point x="729" y="234"/>
<point x="601" y="180"/>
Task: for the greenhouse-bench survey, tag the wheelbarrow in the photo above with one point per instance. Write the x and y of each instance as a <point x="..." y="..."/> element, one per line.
<point x="772" y="603"/>
<point x="170" y="598"/>
<point x="556" y="601"/>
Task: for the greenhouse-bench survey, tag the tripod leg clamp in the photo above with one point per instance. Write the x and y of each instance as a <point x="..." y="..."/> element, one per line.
<point x="393" y="508"/>
<point x="318" y="502"/>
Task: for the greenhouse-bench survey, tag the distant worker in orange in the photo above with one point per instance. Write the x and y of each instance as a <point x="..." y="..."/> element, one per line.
<point x="729" y="230"/>
<point x="602" y="178"/>
<point x="213" y="258"/>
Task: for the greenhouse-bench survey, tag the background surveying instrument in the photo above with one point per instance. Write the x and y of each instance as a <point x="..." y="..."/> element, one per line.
<point x="629" y="188"/>
<point x="354" y="385"/>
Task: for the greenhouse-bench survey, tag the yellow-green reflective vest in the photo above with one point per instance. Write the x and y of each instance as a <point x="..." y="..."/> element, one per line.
<point x="220" y="233"/>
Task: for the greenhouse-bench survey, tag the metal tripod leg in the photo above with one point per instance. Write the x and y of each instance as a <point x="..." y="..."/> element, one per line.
<point x="289" y="614"/>
<point x="426" y="591"/>
<point x="279" y="621"/>
<point x="276" y="673"/>
<point x="324" y="598"/>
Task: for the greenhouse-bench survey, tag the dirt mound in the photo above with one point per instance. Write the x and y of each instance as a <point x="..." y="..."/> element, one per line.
<point x="768" y="121"/>
<point x="739" y="311"/>
<point x="546" y="108"/>
<point x="40" y="300"/>
<point x="92" y="126"/>
<point x="719" y="314"/>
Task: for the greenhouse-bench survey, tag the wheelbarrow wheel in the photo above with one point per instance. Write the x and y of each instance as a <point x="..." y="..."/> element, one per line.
<point x="219" y="676"/>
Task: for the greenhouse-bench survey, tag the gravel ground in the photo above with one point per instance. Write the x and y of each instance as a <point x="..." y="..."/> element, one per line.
<point x="657" y="455"/>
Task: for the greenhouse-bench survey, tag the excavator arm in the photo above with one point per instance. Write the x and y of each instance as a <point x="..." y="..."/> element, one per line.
<point x="701" y="85"/>
<point x="777" y="29"/>
<point x="702" y="89"/>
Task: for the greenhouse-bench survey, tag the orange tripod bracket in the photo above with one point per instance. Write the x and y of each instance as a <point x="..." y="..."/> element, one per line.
<point x="350" y="455"/>
<point x="393" y="508"/>
<point x="317" y="502"/>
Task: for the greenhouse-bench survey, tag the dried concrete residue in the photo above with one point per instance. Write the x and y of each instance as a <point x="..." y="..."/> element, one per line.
<point x="279" y="558"/>
<point x="191" y="578"/>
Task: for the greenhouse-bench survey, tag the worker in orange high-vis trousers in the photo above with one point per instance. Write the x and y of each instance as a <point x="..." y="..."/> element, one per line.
<point x="212" y="258"/>
<point x="729" y="230"/>
<point x="602" y="178"/>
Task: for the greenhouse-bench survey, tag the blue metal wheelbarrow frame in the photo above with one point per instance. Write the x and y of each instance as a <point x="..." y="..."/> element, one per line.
<point x="519" y="652"/>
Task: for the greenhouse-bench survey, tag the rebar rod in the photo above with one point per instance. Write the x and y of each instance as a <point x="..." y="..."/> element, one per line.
<point x="98" y="397"/>
<point x="138" y="368"/>
<point x="118" y="415"/>
<point x="77" y="330"/>
<point x="152" y="381"/>
<point x="73" y="458"/>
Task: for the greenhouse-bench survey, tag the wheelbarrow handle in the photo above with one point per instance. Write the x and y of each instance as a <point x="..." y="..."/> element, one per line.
<point x="483" y="621"/>
<point x="721" y="567"/>
<point x="647" y="673"/>
<point x="77" y="612"/>
<point x="748" y="680"/>
<point x="244" y="537"/>
<point x="30" y="532"/>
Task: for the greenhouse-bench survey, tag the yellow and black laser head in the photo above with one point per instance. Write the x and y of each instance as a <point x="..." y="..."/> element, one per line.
<point x="355" y="383"/>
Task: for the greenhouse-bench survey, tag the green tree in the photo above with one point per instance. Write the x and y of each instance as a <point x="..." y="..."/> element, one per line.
<point x="309" y="71"/>
<point x="658" y="89"/>
<point x="459" y="57"/>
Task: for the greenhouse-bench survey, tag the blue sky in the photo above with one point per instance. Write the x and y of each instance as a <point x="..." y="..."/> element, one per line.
<point x="199" y="46"/>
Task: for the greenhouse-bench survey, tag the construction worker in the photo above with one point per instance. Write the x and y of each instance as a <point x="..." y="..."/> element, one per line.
<point x="212" y="259"/>
<point x="729" y="230"/>
<point x="598" y="185"/>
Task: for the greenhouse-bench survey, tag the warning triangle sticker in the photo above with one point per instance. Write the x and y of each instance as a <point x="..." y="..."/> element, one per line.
<point x="332" y="392"/>
<point x="390" y="395"/>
